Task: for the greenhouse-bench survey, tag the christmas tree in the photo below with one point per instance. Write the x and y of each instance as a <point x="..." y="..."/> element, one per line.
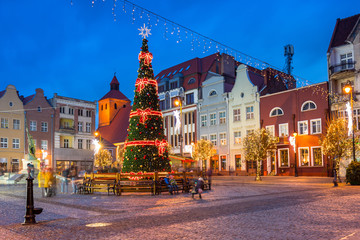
<point x="145" y="146"/>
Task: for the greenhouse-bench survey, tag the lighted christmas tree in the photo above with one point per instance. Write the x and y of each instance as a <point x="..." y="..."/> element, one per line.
<point x="146" y="147"/>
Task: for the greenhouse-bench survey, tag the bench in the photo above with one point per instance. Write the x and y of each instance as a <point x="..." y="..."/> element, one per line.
<point x="100" y="185"/>
<point x="139" y="185"/>
<point x="161" y="186"/>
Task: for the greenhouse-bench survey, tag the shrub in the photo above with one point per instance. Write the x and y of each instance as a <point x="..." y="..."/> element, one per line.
<point x="353" y="173"/>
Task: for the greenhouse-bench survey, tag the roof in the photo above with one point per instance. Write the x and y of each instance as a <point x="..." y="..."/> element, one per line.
<point x="342" y="30"/>
<point x="116" y="131"/>
<point x="115" y="94"/>
<point x="256" y="79"/>
<point x="28" y="99"/>
<point x="114" y="80"/>
<point x="2" y="93"/>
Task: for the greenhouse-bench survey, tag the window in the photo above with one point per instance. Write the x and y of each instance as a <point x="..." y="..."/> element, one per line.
<point x="161" y="88"/>
<point x="71" y="111"/>
<point x="222" y="138"/>
<point x="11" y="104"/>
<point x="249" y="131"/>
<point x="44" y="126"/>
<point x="33" y="126"/>
<point x="237" y="137"/>
<point x="115" y="106"/>
<point x="80" y="144"/>
<point x="223" y="162"/>
<point x="213" y="93"/>
<point x="173" y="85"/>
<point x="80" y="126"/>
<point x="315" y="126"/>
<point x="39" y="109"/>
<point x="284" y="157"/>
<point x="303" y="127"/>
<point x="80" y="112"/>
<point x="3" y="142"/>
<point x="250" y="112"/>
<point x="308" y="105"/>
<point x="213" y="139"/>
<point x="236" y="115"/>
<point x="4" y="123"/>
<point x="222" y="118"/>
<point x="88" y="127"/>
<point x="62" y="109"/>
<point x="346" y="61"/>
<point x="169" y="74"/>
<point x="189" y="98"/>
<point x="191" y="81"/>
<point x="187" y="68"/>
<point x="212" y="119"/>
<point x="271" y="129"/>
<point x="304" y="157"/>
<point x="317" y="156"/>
<point x="238" y="162"/>
<point x="204" y="137"/>
<point x="283" y="130"/>
<point x="16" y="124"/>
<point x="44" y="144"/>
<point x="88" y="113"/>
<point x="66" y="143"/>
<point x="105" y="106"/>
<point x="276" y="112"/>
<point x="16" y="143"/>
<point x="162" y="105"/>
<point x="88" y="144"/>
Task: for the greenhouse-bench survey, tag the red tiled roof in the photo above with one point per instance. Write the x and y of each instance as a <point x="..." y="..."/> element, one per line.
<point x="28" y="99"/>
<point x="116" y="132"/>
<point x="115" y="94"/>
<point x="342" y="30"/>
<point x="114" y="80"/>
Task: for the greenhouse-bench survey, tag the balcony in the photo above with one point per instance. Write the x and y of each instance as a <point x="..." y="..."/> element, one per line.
<point x="67" y="129"/>
<point x="350" y="66"/>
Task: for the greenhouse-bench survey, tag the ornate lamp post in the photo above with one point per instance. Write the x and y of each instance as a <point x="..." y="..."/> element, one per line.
<point x="178" y="102"/>
<point x="348" y="89"/>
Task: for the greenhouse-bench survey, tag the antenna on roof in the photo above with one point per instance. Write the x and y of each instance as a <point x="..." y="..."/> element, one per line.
<point x="288" y="53"/>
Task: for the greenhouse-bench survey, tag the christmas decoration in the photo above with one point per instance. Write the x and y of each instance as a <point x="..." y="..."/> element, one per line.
<point x="145" y="146"/>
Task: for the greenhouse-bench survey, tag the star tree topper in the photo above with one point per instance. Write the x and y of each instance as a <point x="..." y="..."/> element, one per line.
<point x="144" y="31"/>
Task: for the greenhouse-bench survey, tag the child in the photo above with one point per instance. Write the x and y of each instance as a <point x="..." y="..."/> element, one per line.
<point x="174" y="184"/>
<point x="198" y="187"/>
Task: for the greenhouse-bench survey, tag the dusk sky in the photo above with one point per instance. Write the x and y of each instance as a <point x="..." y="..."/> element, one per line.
<point x="74" y="49"/>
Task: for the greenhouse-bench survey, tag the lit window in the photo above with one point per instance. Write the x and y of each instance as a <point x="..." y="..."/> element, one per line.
<point x="284" y="157"/>
<point x="222" y="138"/>
<point x="236" y="115"/>
<point x="315" y="126"/>
<point x="4" y="123"/>
<point x="44" y="144"/>
<point x="317" y="156"/>
<point x="304" y="157"/>
<point x="271" y="129"/>
<point x="237" y="137"/>
<point x="283" y="130"/>
<point x="276" y="112"/>
<point x="238" y="162"/>
<point x="223" y="162"/>
<point x="303" y="127"/>
<point x="309" y="105"/>
<point x="222" y="118"/>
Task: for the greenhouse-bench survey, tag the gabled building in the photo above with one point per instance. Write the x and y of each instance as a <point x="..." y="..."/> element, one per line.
<point x="114" y="110"/>
<point x="39" y="115"/>
<point x="183" y="82"/>
<point x="343" y="58"/>
<point x="12" y="129"/>
<point x="74" y="127"/>
<point x="303" y="111"/>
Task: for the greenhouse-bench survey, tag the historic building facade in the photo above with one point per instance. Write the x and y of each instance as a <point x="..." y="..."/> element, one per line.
<point x="73" y="132"/>
<point x="12" y="130"/>
<point x="301" y="113"/>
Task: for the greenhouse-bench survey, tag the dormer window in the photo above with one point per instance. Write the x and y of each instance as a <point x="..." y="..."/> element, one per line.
<point x="174" y="72"/>
<point x="276" y="112"/>
<point x="213" y="93"/>
<point x="187" y="68"/>
<point x="191" y="81"/>
<point x="169" y="74"/>
<point x="308" y="105"/>
<point x="181" y="69"/>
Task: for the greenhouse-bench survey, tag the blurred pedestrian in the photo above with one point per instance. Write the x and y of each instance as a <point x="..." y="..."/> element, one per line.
<point x="49" y="183"/>
<point x="167" y="182"/>
<point x="198" y="187"/>
<point x="209" y="175"/>
<point x="173" y="184"/>
<point x="73" y="176"/>
<point x="41" y="181"/>
<point x="64" y="180"/>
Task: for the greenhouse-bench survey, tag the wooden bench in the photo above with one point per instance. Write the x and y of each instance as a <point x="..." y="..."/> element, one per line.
<point x="161" y="186"/>
<point x="100" y="185"/>
<point x="140" y="185"/>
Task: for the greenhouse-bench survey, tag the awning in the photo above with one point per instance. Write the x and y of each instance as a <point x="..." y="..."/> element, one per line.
<point x="183" y="159"/>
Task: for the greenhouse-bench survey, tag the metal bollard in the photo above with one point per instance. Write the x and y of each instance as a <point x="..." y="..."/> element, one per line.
<point x="30" y="210"/>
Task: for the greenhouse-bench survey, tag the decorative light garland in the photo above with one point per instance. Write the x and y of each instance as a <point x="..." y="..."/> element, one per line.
<point x="142" y="82"/>
<point x="160" y="144"/>
<point x="143" y="114"/>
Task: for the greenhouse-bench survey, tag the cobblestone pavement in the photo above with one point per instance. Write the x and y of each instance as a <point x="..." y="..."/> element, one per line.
<point x="236" y="208"/>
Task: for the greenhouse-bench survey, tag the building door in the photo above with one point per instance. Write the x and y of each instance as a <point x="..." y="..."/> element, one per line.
<point x="15" y="165"/>
<point x="214" y="164"/>
<point x="271" y="163"/>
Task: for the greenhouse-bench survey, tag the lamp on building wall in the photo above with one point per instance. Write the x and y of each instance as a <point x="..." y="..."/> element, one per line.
<point x="178" y="102"/>
<point x="292" y="140"/>
<point x="348" y="89"/>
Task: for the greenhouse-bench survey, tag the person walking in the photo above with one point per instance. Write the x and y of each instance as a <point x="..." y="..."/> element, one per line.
<point x="64" y="180"/>
<point x="73" y="176"/>
<point x="41" y="181"/>
<point x="198" y="187"/>
<point x="209" y="174"/>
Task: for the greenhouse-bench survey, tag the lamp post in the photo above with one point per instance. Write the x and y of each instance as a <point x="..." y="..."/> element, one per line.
<point x="178" y="102"/>
<point x="348" y="89"/>
<point x="293" y="143"/>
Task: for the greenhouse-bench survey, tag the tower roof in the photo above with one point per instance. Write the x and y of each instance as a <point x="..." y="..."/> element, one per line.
<point x="114" y="91"/>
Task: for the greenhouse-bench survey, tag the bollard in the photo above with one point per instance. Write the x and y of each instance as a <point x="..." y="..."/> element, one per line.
<point x="30" y="210"/>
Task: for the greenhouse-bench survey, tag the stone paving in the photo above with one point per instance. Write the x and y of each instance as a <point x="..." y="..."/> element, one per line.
<point x="236" y="208"/>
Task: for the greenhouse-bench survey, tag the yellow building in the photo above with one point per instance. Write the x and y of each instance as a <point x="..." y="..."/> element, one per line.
<point x="11" y="130"/>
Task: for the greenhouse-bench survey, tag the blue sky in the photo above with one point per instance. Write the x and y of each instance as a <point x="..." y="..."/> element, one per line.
<point x="74" y="50"/>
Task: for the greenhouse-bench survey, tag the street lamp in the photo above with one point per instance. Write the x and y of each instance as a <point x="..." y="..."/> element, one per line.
<point x="348" y="89"/>
<point x="178" y="102"/>
<point x="293" y="143"/>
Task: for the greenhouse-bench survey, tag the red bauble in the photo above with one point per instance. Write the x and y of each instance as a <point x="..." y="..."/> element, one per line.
<point x="145" y="157"/>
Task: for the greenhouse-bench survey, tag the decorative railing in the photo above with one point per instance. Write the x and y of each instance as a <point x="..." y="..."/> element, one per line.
<point x="342" y="67"/>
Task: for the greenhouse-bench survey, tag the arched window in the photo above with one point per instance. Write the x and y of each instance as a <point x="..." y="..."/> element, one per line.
<point x="276" y="112"/>
<point x="115" y="106"/>
<point x="308" y="105"/>
<point x="191" y="81"/>
<point x="212" y="93"/>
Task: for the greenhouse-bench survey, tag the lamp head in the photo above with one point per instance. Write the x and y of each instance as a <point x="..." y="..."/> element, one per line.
<point x="177" y="102"/>
<point x="347" y="88"/>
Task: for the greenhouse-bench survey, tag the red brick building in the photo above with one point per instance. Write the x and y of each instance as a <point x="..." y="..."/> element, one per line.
<point x="303" y="111"/>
